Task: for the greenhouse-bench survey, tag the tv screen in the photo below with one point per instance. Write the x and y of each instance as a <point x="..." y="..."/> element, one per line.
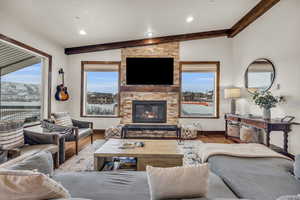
<point x="149" y="71"/>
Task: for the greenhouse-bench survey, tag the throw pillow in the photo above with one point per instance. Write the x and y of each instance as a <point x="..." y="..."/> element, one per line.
<point x="249" y="135"/>
<point x="63" y="119"/>
<point x="11" y="134"/>
<point x="297" y="166"/>
<point x="29" y="185"/>
<point x="178" y="182"/>
<point x="42" y="162"/>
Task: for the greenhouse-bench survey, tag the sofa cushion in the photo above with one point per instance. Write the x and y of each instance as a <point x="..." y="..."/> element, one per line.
<point x="297" y="167"/>
<point x="125" y="185"/>
<point x="289" y="197"/>
<point x="41" y="161"/>
<point x="256" y="178"/>
<point x="62" y="119"/>
<point x="29" y="185"/>
<point x="11" y="134"/>
<point x="189" y="182"/>
<point x="82" y="132"/>
<point x="29" y="150"/>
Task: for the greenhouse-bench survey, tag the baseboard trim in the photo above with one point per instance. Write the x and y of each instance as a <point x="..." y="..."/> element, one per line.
<point x="99" y="131"/>
<point x="211" y="133"/>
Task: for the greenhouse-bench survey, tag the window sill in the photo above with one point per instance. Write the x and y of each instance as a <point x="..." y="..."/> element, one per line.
<point x="99" y="116"/>
<point x="216" y="117"/>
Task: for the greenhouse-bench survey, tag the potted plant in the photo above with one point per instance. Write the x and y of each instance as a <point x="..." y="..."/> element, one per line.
<point x="266" y="101"/>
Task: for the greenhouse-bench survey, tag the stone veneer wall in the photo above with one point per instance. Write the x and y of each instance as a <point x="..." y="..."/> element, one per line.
<point x="172" y="98"/>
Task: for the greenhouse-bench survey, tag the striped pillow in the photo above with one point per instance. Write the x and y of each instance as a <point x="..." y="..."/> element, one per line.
<point x="63" y="119"/>
<point x="11" y="134"/>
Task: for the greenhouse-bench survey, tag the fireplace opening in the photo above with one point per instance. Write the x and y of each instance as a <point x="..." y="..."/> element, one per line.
<point x="149" y="111"/>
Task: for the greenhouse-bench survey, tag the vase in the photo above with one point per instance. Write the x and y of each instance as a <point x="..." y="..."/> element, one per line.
<point x="266" y="113"/>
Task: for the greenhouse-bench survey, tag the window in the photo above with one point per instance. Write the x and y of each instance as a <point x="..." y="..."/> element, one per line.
<point x="199" y="89"/>
<point x="20" y="84"/>
<point x="21" y="94"/>
<point x="100" y="95"/>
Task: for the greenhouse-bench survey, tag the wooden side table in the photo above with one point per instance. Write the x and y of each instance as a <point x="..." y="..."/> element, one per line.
<point x="267" y="125"/>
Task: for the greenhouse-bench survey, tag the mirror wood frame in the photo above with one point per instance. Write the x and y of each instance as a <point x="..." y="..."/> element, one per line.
<point x="246" y="74"/>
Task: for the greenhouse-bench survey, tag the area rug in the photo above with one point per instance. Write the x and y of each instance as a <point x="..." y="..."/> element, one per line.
<point x="84" y="161"/>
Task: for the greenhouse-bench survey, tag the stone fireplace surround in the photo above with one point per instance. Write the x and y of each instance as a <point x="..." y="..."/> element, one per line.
<point x="168" y="93"/>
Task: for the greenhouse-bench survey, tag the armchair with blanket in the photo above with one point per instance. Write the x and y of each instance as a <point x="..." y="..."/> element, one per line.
<point x="78" y="129"/>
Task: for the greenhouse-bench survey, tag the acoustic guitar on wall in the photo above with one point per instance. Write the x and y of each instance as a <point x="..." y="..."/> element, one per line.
<point x="61" y="91"/>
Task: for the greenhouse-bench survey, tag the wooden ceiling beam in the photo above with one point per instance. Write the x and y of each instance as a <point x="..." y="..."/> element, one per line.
<point x="148" y="41"/>
<point x="261" y="8"/>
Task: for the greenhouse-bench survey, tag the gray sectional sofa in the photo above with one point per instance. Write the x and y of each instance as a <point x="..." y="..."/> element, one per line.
<point x="230" y="178"/>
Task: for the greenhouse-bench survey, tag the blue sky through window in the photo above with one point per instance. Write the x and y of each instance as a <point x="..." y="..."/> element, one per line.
<point x="29" y="75"/>
<point x="198" y="82"/>
<point x="106" y="82"/>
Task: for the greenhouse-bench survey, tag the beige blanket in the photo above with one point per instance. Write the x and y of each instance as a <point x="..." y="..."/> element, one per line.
<point x="239" y="150"/>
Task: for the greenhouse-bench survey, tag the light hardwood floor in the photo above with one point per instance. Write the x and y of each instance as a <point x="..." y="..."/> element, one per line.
<point x="211" y="138"/>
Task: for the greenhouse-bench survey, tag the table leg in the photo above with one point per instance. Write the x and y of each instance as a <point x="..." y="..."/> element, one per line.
<point x="268" y="137"/>
<point x="285" y="141"/>
<point x="226" y="124"/>
<point x="99" y="163"/>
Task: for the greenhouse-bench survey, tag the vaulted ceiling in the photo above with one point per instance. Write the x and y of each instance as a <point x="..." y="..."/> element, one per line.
<point x="120" y="20"/>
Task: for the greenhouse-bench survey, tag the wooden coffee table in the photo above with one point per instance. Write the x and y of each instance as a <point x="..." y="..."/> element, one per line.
<point x="157" y="153"/>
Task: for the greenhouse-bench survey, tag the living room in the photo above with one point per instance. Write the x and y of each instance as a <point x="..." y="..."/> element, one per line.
<point x="198" y="89"/>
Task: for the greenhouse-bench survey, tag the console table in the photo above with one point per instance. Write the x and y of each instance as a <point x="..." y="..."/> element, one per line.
<point x="267" y="125"/>
<point x="140" y="127"/>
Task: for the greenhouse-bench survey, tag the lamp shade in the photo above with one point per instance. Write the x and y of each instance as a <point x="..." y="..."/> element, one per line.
<point x="231" y="93"/>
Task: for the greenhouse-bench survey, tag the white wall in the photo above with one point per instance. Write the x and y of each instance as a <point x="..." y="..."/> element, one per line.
<point x="218" y="49"/>
<point x="276" y="35"/>
<point x="215" y="49"/>
<point x="13" y="29"/>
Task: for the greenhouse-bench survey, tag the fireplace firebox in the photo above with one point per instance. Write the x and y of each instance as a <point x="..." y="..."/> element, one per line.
<point x="149" y="111"/>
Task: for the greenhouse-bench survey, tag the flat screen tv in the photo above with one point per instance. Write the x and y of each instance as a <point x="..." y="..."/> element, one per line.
<point x="149" y="71"/>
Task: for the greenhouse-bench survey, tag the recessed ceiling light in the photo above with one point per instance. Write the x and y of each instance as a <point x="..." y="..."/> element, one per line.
<point x="82" y="32"/>
<point x="149" y="34"/>
<point x="189" y="19"/>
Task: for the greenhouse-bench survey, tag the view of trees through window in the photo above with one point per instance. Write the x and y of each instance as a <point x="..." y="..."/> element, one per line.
<point x="101" y="93"/>
<point x="198" y="94"/>
<point x="20" y="94"/>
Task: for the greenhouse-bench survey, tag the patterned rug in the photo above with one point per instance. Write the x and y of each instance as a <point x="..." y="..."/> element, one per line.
<point x="84" y="161"/>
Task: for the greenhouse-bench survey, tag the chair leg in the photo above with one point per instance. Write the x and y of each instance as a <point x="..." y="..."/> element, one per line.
<point x="76" y="147"/>
<point x="56" y="160"/>
<point x="92" y="138"/>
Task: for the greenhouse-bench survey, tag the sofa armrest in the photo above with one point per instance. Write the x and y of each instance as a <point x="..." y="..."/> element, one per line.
<point x="82" y="124"/>
<point x="33" y="138"/>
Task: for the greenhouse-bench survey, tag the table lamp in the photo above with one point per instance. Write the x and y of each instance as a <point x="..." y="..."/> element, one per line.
<point x="233" y="94"/>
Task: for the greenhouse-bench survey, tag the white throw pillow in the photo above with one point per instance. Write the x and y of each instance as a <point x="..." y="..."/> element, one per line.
<point x="178" y="182"/>
<point x="29" y="185"/>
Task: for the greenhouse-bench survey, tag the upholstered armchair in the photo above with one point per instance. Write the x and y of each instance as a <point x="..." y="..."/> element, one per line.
<point x="17" y="144"/>
<point x="78" y="129"/>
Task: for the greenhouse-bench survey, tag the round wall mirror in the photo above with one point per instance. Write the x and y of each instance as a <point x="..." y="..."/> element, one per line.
<point x="259" y="75"/>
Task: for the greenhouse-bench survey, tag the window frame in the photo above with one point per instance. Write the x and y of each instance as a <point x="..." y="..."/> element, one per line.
<point x="217" y="88"/>
<point x="46" y="76"/>
<point x="82" y="90"/>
